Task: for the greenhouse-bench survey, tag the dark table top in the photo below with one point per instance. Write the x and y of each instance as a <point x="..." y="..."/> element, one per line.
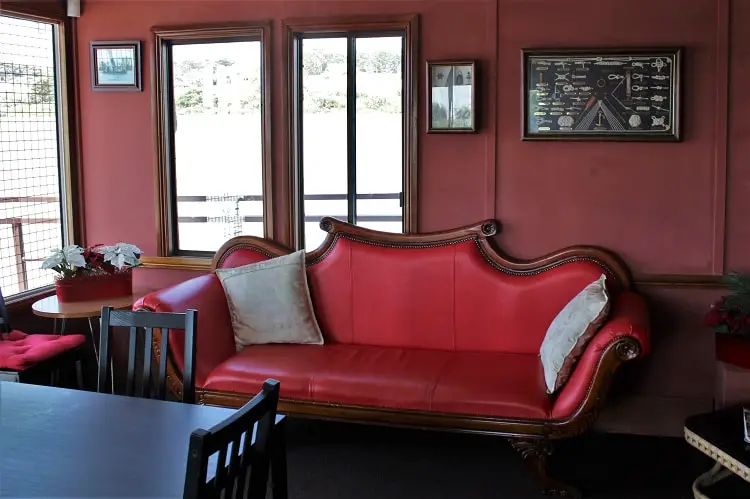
<point x="722" y="430"/>
<point x="68" y="443"/>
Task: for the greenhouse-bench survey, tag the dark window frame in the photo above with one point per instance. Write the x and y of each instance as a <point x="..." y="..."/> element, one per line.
<point x="295" y="31"/>
<point x="68" y="128"/>
<point x="166" y="205"/>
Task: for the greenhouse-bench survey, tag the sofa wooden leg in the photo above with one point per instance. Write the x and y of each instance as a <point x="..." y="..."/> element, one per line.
<point x="536" y="453"/>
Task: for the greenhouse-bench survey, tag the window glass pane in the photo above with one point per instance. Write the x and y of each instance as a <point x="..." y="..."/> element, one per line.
<point x="379" y="132"/>
<point x="218" y="148"/>
<point x="318" y="206"/>
<point x="324" y="125"/>
<point x="31" y="220"/>
<point x="383" y="213"/>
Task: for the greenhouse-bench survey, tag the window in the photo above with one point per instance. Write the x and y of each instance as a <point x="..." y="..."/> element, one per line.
<point x="352" y="139"/>
<point x="33" y="213"/>
<point x="213" y="158"/>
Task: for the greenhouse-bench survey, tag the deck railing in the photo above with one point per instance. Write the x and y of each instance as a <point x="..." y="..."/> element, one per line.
<point x="17" y="223"/>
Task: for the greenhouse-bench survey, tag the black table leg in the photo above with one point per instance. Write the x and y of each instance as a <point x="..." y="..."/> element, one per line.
<point x="93" y="339"/>
<point x="278" y="462"/>
<point x="79" y="375"/>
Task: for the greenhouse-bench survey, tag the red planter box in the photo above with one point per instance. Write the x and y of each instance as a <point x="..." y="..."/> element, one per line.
<point x="88" y="288"/>
<point x="733" y="350"/>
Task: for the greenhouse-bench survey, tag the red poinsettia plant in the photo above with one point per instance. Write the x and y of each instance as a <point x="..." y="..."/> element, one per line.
<point x="731" y="313"/>
<point x="95" y="260"/>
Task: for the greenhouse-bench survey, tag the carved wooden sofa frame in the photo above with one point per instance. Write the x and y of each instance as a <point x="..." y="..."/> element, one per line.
<point x="534" y="439"/>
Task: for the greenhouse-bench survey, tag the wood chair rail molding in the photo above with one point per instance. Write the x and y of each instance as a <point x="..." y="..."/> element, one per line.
<point x="25" y="300"/>
<point x="484" y="234"/>
<point x="176" y="263"/>
<point x="680" y="281"/>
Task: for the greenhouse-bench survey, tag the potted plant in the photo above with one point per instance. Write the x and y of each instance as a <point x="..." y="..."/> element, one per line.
<point x="95" y="272"/>
<point x="729" y="317"/>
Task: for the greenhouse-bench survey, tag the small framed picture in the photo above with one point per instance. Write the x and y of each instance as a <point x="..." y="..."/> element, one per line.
<point x="116" y="66"/>
<point x="450" y="97"/>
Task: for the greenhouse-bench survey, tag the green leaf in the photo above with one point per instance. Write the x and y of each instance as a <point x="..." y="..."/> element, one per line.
<point x="739" y="292"/>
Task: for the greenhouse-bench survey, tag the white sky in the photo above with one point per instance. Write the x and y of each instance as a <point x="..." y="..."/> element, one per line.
<point x="33" y="36"/>
<point x="233" y="51"/>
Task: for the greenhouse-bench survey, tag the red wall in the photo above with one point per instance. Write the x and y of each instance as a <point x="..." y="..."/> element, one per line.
<point x="121" y="153"/>
<point x="665" y="207"/>
<point x="650" y="202"/>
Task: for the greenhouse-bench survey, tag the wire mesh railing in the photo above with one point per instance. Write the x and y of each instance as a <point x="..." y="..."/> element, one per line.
<point x="21" y="224"/>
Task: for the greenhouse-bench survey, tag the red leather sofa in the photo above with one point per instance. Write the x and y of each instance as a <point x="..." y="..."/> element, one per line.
<point x="432" y="330"/>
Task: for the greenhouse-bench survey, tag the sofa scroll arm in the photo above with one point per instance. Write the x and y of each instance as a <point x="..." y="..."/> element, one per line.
<point x="623" y="339"/>
<point x="578" y="404"/>
<point x="627" y="348"/>
<point x="214" y="333"/>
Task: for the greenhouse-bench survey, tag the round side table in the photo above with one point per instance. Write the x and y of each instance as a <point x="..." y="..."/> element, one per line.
<point x="53" y="308"/>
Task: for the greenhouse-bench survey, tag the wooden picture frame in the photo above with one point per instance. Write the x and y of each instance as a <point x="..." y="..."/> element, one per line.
<point x="116" y="66"/>
<point x="451" y="90"/>
<point x="628" y="94"/>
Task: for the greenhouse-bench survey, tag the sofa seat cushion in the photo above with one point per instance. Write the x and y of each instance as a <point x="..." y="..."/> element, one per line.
<point x="245" y="372"/>
<point x="492" y="384"/>
<point x="351" y="374"/>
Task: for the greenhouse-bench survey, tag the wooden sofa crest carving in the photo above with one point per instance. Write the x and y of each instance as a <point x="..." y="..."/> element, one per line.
<point x="436" y="330"/>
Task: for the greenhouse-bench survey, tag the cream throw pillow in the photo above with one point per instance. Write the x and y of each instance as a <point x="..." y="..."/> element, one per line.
<point x="570" y="332"/>
<point x="269" y="302"/>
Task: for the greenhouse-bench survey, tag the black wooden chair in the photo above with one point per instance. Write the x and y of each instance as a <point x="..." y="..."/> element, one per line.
<point x="248" y="439"/>
<point x="37" y="358"/>
<point x="168" y="323"/>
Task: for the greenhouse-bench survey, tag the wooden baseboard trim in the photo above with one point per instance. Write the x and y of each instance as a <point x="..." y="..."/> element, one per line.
<point x="24" y="300"/>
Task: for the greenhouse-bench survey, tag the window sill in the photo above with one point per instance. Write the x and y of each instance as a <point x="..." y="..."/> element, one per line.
<point x="176" y="263"/>
<point x="25" y="299"/>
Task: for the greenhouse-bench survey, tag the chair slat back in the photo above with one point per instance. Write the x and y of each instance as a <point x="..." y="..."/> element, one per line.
<point x="245" y="439"/>
<point x="4" y="318"/>
<point x="167" y="323"/>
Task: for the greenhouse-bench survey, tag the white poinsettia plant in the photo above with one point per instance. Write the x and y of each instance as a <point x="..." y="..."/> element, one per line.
<point x="121" y="255"/>
<point x="73" y="260"/>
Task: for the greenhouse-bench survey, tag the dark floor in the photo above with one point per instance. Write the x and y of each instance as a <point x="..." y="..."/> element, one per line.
<point x="342" y="461"/>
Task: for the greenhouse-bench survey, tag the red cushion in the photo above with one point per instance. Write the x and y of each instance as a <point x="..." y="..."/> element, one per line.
<point x="245" y="372"/>
<point x="468" y="383"/>
<point x="20" y="351"/>
<point x="491" y="384"/>
<point x="446" y="297"/>
<point x="350" y="374"/>
<point x="377" y="376"/>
